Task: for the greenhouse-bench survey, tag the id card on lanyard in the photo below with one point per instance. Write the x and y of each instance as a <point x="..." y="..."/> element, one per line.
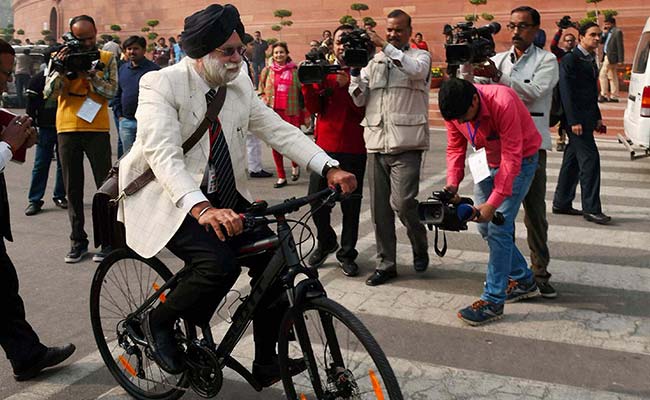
<point x="478" y="164"/>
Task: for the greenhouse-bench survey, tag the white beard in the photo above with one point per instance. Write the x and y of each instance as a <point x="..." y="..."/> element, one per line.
<point x="217" y="73"/>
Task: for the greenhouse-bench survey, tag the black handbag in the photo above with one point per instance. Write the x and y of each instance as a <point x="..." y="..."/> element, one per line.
<point x="108" y="231"/>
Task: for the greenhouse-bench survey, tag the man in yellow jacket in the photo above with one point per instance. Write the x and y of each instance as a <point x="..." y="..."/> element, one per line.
<point x="82" y="121"/>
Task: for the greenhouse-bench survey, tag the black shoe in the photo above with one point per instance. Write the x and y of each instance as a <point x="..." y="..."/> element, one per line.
<point x="602" y="99"/>
<point x="560" y="147"/>
<point x="99" y="256"/>
<point x="268" y="374"/>
<point x="61" y="203"/>
<point x="349" y="268"/>
<point x="380" y="277"/>
<point x="261" y="174"/>
<point x="33" y="208"/>
<point x="318" y="257"/>
<point x="613" y="100"/>
<point x="546" y="290"/>
<point x="598" y="218"/>
<point x="295" y="175"/>
<point x="52" y="357"/>
<point x="77" y="252"/>
<point x="568" y="211"/>
<point x="280" y="183"/>
<point x="163" y="345"/>
<point x="421" y="265"/>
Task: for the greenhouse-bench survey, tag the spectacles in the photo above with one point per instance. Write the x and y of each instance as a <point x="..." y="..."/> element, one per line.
<point x="230" y="51"/>
<point x="522" y="26"/>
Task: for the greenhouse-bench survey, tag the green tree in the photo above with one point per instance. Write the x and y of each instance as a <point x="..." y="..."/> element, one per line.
<point x="282" y="14"/>
<point x="116" y="28"/>
<point x="597" y="13"/>
<point x="358" y="7"/>
<point x="348" y="20"/>
<point x="476" y="3"/>
<point x="487" y="16"/>
<point x="20" y="32"/>
<point x="369" y="21"/>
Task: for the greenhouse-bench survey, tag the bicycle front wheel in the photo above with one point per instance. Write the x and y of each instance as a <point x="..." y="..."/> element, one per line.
<point x="343" y="360"/>
<point x="122" y="283"/>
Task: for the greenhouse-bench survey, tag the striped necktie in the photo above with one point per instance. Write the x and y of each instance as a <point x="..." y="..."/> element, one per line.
<point x="220" y="162"/>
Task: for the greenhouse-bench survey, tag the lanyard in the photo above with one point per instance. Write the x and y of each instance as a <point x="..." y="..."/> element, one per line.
<point x="472" y="136"/>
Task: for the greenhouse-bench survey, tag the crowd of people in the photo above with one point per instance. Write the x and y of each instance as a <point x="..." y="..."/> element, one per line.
<point x="370" y="120"/>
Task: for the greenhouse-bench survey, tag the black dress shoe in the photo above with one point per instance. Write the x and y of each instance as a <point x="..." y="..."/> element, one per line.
<point x="280" y="183"/>
<point x="268" y="374"/>
<point x="349" y="268"/>
<point x="568" y="211"/>
<point x="52" y="357"/>
<point x="261" y="174"/>
<point x="598" y="218"/>
<point x="380" y="277"/>
<point x="318" y="256"/>
<point x="421" y="264"/>
<point x="33" y="208"/>
<point x="61" y="203"/>
<point x="295" y="175"/>
<point x="163" y="345"/>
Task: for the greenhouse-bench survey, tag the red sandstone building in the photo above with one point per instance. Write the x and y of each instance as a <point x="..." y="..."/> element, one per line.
<point x="311" y="17"/>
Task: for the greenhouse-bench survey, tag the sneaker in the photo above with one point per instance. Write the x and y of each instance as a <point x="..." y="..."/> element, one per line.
<point x="99" y="256"/>
<point x="318" y="257"/>
<point x="546" y="290"/>
<point x="33" y="208"/>
<point x="481" y="312"/>
<point x="521" y="290"/>
<point x="349" y="268"/>
<point x="77" y="252"/>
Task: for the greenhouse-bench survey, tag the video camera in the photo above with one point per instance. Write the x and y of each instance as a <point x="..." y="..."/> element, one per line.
<point x="566" y="23"/>
<point x="465" y="43"/>
<point x="438" y="211"/>
<point x="77" y="60"/>
<point x="359" y="50"/>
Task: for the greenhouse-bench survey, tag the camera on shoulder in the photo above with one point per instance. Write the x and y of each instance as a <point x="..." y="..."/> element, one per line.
<point x="359" y="50"/>
<point x="77" y="59"/>
<point x="466" y="43"/>
<point x="566" y="23"/>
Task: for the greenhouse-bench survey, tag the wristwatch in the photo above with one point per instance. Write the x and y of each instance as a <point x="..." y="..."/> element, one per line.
<point x="329" y="165"/>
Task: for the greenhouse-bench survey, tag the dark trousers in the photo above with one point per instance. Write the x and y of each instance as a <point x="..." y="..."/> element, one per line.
<point x="213" y="270"/>
<point x="72" y="146"/>
<point x="42" y="160"/>
<point x="355" y="164"/>
<point x="22" y="81"/>
<point x="535" y="221"/>
<point x="17" y="338"/>
<point x="580" y="163"/>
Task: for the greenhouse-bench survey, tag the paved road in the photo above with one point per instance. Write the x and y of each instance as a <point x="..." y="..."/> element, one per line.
<point x="592" y="342"/>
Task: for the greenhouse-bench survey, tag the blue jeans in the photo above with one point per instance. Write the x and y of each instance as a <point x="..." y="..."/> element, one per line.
<point x="128" y="129"/>
<point x="506" y="261"/>
<point x="43" y="158"/>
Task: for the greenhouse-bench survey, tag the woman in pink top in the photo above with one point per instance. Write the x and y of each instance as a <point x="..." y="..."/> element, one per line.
<point x="280" y="90"/>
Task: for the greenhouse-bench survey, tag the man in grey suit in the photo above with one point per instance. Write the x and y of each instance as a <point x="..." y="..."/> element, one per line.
<point x="192" y="206"/>
<point x="613" y="55"/>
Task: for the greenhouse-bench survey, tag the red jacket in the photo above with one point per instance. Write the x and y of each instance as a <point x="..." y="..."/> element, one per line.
<point x="338" y="128"/>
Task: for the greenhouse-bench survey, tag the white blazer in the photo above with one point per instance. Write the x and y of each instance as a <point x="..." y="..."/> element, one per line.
<point x="171" y="106"/>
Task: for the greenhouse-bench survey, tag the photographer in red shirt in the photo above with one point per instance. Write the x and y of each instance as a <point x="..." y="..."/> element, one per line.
<point x="339" y="133"/>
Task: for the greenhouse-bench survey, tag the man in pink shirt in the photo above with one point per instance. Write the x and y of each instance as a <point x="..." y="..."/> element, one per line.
<point x="505" y="142"/>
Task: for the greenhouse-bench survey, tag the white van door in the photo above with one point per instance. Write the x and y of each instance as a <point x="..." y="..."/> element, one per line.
<point x="637" y="128"/>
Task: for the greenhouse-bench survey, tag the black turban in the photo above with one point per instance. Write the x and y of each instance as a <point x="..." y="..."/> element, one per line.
<point x="208" y="29"/>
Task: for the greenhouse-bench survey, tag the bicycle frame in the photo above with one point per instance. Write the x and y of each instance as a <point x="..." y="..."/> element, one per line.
<point x="285" y="259"/>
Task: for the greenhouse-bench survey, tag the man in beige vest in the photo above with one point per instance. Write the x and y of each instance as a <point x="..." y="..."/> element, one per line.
<point x="394" y="88"/>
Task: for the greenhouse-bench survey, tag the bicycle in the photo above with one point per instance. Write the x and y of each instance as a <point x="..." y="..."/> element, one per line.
<point x="342" y="359"/>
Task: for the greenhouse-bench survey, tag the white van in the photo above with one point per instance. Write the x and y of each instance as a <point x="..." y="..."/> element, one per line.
<point x="636" y="120"/>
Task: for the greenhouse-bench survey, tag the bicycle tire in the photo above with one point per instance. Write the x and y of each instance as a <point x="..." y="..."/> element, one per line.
<point x="123" y="372"/>
<point x="385" y="380"/>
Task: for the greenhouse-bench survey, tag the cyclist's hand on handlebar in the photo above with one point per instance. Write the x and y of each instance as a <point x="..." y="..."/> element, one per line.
<point x="220" y="219"/>
<point x="485" y="212"/>
<point x="346" y="180"/>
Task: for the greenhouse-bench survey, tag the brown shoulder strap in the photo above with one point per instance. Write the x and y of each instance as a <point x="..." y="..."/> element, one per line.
<point x="210" y="116"/>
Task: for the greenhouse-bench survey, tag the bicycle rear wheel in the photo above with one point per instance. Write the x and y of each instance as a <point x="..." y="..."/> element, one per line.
<point x="343" y="359"/>
<point x="122" y="283"/>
